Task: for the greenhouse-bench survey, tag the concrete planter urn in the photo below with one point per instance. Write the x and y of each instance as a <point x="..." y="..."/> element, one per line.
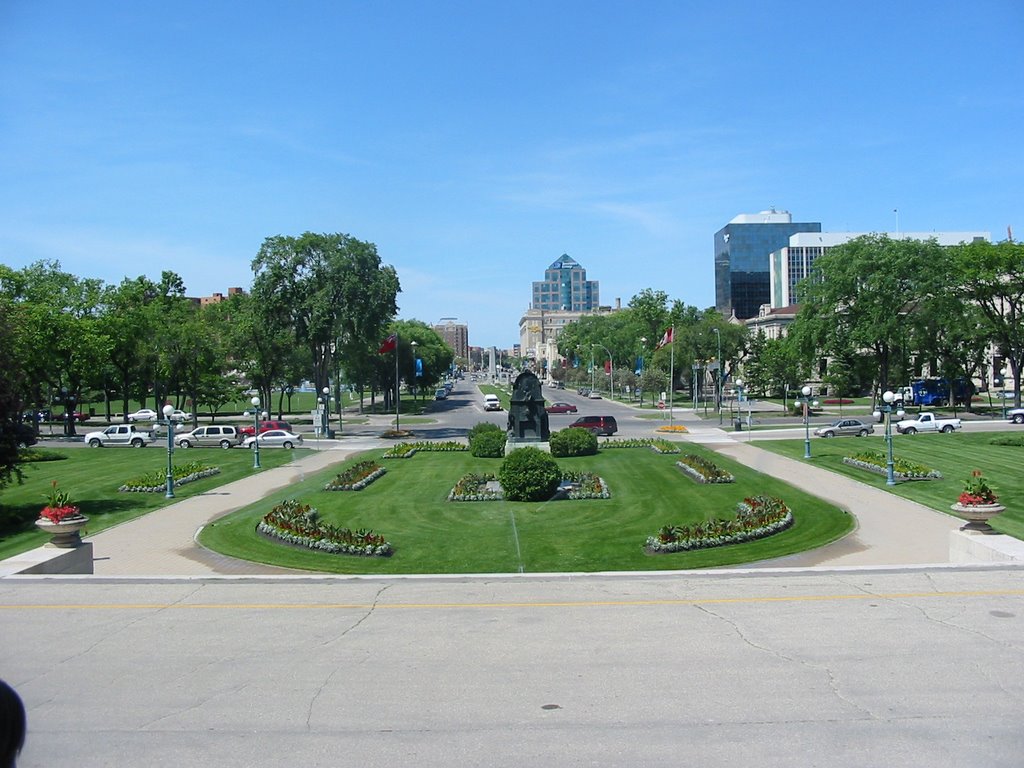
<point x="65" y="534"/>
<point x="977" y="516"/>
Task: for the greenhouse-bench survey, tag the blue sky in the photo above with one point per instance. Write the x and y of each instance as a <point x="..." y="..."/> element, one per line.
<point x="475" y="142"/>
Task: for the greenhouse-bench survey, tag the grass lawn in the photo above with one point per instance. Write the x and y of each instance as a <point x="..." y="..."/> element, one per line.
<point x="92" y="477"/>
<point x="432" y="535"/>
<point x="955" y="456"/>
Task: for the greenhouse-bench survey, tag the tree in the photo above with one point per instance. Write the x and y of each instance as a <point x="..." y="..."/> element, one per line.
<point x="864" y="295"/>
<point x="991" y="277"/>
<point x="12" y="384"/>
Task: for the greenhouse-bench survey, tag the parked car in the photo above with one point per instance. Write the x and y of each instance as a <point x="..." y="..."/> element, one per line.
<point x="599" y="425"/>
<point x="594" y="394"/>
<point x="225" y="436"/>
<point x="441" y="394"/>
<point x="492" y="403"/>
<point x="144" y="414"/>
<point x="76" y="415"/>
<point x="179" y="415"/>
<point x="845" y="427"/>
<point x="119" y="434"/>
<point x="561" y="408"/>
<point x="249" y="430"/>
<point x="1016" y="415"/>
<point x="274" y="438"/>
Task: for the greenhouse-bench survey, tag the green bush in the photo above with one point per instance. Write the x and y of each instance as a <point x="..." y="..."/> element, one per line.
<point x="573" y="441"/>
<point x="529" y="474"/>
<point x="488" y="444"/>
<point x="482" y="428"/>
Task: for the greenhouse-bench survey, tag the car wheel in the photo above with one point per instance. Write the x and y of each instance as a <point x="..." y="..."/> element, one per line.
<point x="947" y="429"/>
<point x="862" y="433"/>
<point x="225" y="444"/>
<point x="910" y="431"/>
<point x="184" y="444"/>
<point x="95" y="443"/>
<point x="286" y="444"/>
<point x="1018" y="418"/>
<point x="137" y="442"/>
<point x="828" y="434"/>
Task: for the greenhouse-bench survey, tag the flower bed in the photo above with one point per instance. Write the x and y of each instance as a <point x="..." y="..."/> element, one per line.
<point x="156" y="481"/>
<point x="408" y="450"/>
<point x="701" y="470"/>
<point x="473" y="487"/>
<point x="300" y="524"/>
<point x="672" y="428"/>
<point x="837" y="401"/>
<point x="656" y="445"/>
<point x="356" y="477"/>
<point x="756" y="518"/>
<point x="874" y="461"/>
<point x="586" y="485"/>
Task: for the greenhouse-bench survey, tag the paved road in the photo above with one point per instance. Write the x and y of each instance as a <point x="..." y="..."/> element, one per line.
<point x="849" y="669"/>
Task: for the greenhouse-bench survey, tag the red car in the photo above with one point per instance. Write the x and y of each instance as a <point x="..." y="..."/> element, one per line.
<point x="249" y="431"/>
<point x="561" y="408"/>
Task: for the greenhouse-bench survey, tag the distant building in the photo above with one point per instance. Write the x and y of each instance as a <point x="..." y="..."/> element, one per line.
<point x="793" y="262"/>
<point x="455" y="335"/>
<point x="217" y="298"/>
<point x="565" y="288"/>
<point x="743" y="250"/>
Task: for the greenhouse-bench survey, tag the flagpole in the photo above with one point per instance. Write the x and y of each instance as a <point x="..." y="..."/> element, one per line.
<point x="398" y="398"/>
<point x="671" y="372"/>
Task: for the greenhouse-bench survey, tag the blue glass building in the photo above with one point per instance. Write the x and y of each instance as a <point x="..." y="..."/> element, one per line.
<point x="565" y="287"/>
<point x="743" y="249"/>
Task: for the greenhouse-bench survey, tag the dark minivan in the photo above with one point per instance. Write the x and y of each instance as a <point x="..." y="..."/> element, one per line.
<point x="599" y="425"/>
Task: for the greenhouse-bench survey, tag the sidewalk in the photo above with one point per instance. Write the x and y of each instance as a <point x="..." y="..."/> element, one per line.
<point x="161" y="543"/>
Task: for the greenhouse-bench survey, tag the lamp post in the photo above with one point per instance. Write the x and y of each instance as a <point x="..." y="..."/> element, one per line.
<point x="1005" y="372"/>
<point x="806" y="401"/>
<point x="892" y="402"/>
<point x="416" y="384"/>
<point x="168" y="410"/>
<point x="327" y="413"/>
<point x="739" y="406"/>
<point x="643" y="366"/>
<point x="611" y="368"/>
<point x="718" y="378"/>
<point x="255" y="432"/>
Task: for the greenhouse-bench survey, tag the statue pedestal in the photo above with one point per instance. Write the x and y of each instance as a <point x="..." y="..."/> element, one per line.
<point x="512" y="444"/>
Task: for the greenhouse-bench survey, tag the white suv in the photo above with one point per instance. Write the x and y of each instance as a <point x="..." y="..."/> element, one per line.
<point x="225" y="436"/>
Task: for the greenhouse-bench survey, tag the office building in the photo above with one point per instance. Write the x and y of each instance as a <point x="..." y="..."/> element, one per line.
<point x="743" y="249"/>
<point x="565" y="288"/>
<point x="455" y="335"/>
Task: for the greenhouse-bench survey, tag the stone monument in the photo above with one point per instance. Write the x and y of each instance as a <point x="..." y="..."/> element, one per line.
<point x="527" y="419"/>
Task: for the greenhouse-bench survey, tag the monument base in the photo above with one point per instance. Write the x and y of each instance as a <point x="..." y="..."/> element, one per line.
<point x="511" y="445"/>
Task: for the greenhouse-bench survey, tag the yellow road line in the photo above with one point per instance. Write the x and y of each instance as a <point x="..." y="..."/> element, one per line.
<point x="538" y="604"/>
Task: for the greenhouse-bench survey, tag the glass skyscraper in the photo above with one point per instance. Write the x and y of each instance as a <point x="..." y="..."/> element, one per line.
<point x="565" y="287"/>
<point x="743" y="249"/>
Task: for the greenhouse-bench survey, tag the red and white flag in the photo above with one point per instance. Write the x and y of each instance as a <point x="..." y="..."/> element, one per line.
<point x="390" y="343"/>
<point x="665" y="340"/>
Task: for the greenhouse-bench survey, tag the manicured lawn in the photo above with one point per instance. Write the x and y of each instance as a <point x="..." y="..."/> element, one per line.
<point x="92" y="477"/>
<point x="955" y="456"/>
<point x="432" y="535"/>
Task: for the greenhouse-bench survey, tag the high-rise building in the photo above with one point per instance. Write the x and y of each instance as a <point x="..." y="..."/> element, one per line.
<point x="455" y="335"/>
<point x="743" y="249"/>
<point x="565" y="288"/>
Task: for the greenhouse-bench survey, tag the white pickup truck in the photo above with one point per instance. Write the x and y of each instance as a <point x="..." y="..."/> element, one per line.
<point x="119" y="434"/>
<point x="926" y="422"/>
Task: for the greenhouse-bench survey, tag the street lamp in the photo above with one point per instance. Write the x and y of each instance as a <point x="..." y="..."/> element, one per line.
<point x="328" y="433"/>
<point x="806" y="401"/>
<point x="892" y="402"/>
<point x="643" y="365"/>
<point x="416" y="384"/>
<point x="255" y="432"/>
<point x="611" y="368"/>
<point x="718" y="379"/>
<point x="1005" y="372"/>
<point x="168" y="410"/>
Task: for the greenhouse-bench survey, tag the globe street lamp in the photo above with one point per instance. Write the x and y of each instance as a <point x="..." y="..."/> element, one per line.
<point x="740" y="396"/>
<point x="168" y="410"/>
<point x="806" y="402"/>
<point x="718" y="379"/>
<point x="892" y="402"/>
<point x="327" y="413"/>
<point x="643" y="365"/>
<point x="256" y="432"/>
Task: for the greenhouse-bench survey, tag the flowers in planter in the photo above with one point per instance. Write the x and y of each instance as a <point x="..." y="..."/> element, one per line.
<point x="702" y="470"/>
<point x="977" y="491"/>
<point x="300" y="524"/>
<point x="356" y="477"/>
<point x="58" y="505"/>
<point x="181" y="474"/>
<point x="756" y="518"/>
<point x="875" y="461"/>
<point x="474" y="487"/>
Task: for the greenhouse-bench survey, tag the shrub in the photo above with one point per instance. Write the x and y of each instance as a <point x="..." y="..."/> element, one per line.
<point x="488" y="444"/>
<point x="1016" y="441"/>
<point x="482" y="428"/>
<point x="529" y="474"/>
<point x="573" y="442"/>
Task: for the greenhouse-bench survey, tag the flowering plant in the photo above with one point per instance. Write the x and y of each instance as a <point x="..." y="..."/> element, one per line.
<point x="977" y="491"/>
<point x="58" y="505"/>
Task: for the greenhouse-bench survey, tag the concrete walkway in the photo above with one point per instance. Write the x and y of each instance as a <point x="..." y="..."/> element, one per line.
<point x="162" y="543"/>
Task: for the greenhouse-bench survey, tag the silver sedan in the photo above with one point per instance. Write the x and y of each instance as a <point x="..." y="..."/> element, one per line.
<point x="274" y="438"/>
<point x="845" y="427"/>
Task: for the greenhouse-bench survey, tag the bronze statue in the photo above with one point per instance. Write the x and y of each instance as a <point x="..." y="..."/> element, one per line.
<point x="527" y="419"/>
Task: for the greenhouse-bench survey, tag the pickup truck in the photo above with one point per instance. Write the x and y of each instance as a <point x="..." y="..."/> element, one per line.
<point x="926" y="422"/>
<point x="119" y="434"/>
